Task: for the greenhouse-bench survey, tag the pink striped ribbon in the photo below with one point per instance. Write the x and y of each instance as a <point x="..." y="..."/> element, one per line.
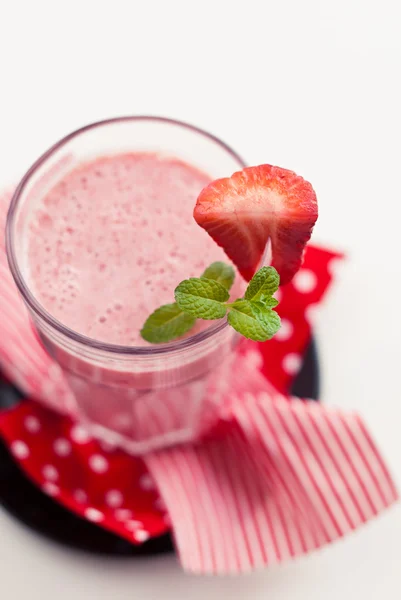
<point x="280" y="477"/>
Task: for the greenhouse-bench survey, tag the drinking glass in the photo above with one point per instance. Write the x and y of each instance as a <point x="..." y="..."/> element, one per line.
<point x="146" y="397"/>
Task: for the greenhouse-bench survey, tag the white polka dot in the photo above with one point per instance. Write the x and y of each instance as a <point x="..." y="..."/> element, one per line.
<point x="292" y="363"/>
<point x="98" y="463"/>
<point x="146" y="482"/>
<point x="114" y="498"/>
<point x="20" y="449"/>
<point x="62" y="447"/>
<point x="50" y="472"/>
<point x="123" y="514"/>
<point x="312" y="313"/>
<point x="335" y="267"/>
<point x="79" y="435"/>
<point x="141" y="535"/>
<point x="133" y="525"/>
<point x="81" y="496"/>
<point x="285" y="332"/>
<point x="92" y="514"/>
<point x="305" y="281"/>
<point x="32" y="424"/>
<point x="51" y="489"/>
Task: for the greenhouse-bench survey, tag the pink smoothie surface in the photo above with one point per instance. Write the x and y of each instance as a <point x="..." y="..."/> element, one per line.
<point x="110" y="242"/>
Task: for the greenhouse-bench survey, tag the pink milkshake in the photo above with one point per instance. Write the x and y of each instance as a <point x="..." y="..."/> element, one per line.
<point x="98" y="240"/>
<point x="110" y="242"/>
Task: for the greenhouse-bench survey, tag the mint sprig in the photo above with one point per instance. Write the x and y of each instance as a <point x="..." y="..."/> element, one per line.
<point x="206" y="297"/>
<point x="267" y="317"/>
<point x="244" y="319"/>
<point x="263" y="284"/>
<point x="203" y="298"/>
<point x="222" y="273"/>
<point x="167" y="323"/>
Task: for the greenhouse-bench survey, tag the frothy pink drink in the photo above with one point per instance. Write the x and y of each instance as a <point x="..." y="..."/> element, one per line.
<point x="104" y="247"/>
<point x="111" y="241"/>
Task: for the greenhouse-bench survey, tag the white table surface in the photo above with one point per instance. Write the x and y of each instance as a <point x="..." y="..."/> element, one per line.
<point x="309" y="85"/>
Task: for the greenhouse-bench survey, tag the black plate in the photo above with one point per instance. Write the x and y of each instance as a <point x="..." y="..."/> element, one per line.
<point x="43" y="514"/>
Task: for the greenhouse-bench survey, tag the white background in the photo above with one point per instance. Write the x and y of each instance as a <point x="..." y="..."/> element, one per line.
<point x="309" y="85"/>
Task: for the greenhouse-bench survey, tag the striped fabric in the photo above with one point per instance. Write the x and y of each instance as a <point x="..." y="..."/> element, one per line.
<point x="287" y="478"/>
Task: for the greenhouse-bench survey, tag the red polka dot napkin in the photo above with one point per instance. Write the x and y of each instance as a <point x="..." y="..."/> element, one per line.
<point x="276" y="478"/>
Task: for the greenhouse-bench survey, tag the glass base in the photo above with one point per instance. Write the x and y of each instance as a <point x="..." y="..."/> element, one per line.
<point x="21" y="498"/>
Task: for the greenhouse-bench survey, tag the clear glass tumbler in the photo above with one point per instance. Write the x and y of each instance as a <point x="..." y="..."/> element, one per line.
<point x="140" y="398"/>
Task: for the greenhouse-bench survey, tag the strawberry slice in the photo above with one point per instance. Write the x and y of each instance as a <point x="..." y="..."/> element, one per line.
<point x="243" y="212"/>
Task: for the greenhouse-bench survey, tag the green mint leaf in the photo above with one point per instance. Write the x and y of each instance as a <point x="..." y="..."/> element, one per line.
<point x="244" y="320"/>
<point x="267" y="317"/>
<point x="271" y="302"/>
<point x="222" y="273"/>
<point x="166" y="323"/>
<point x="202" y="298"/>
<point x="266" y="302"/>
<point x="264" y="282"/>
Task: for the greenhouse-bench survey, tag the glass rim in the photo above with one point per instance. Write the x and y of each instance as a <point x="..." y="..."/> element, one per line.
<point x="36" y="306"/>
